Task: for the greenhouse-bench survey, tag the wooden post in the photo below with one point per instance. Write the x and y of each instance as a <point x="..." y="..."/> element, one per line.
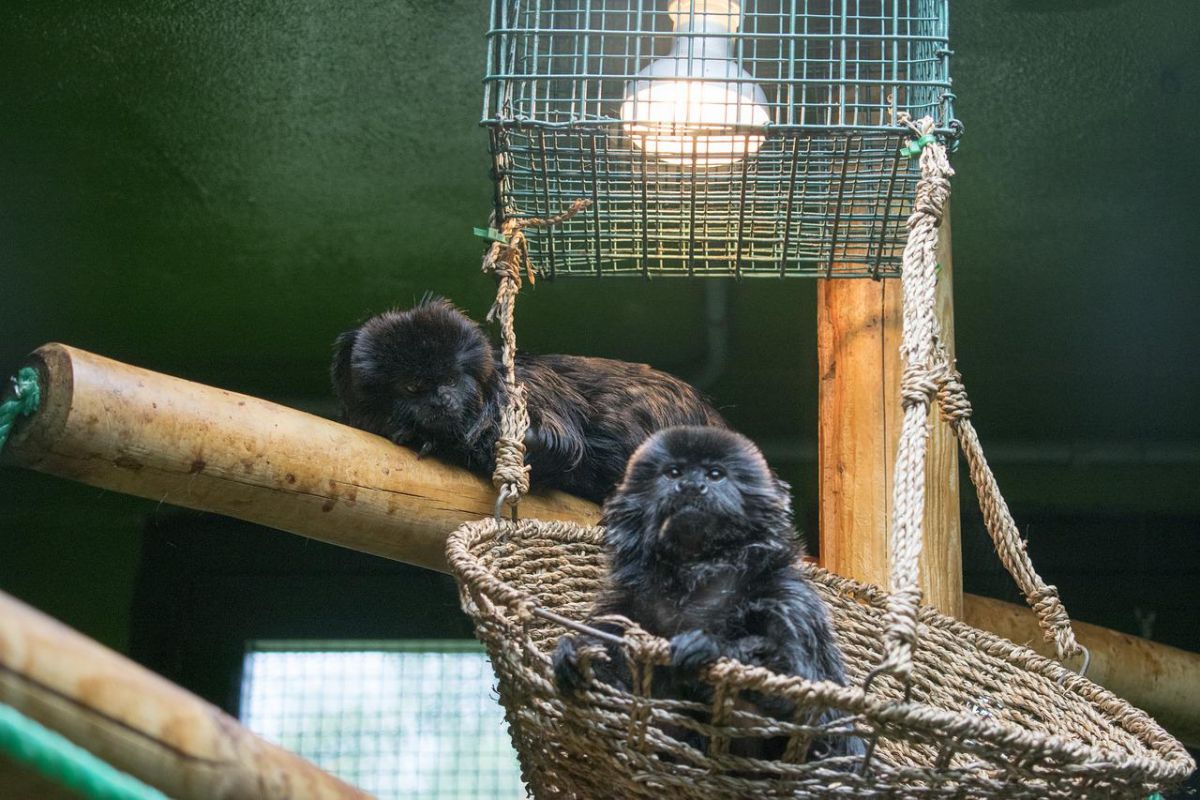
<point x="141" y="723"/>
<point x="858" y="362"/>
<point x="113" y="425"/>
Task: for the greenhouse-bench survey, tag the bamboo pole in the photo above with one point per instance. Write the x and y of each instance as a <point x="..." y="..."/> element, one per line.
<point x="858" y="362"/>
<point x="124" y="428"/>
<point x="141" y="723"/>
<point x="422" y="496"/>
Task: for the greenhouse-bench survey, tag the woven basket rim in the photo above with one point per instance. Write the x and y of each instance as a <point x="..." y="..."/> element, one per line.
<point x="1170" y="761"/>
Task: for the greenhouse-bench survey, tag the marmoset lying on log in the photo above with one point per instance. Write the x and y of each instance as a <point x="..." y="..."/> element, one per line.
<point x="704" y="554"/>
<point x="429" y="377"/>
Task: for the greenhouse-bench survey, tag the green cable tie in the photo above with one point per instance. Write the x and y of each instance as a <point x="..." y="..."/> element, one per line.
<point x="58" y="759"/>
<point x="491" y="234"/>
<point x="25" y="399"/>
<point x="917" y="145"/>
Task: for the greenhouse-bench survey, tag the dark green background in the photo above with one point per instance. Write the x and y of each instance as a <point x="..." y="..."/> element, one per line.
<point x="215" y="190"/>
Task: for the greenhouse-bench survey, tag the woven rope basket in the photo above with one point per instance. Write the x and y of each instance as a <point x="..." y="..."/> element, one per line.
<point x="986" y="717"/>
<point x="943" y="709"/>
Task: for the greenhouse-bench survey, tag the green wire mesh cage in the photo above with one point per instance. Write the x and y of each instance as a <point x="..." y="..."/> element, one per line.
<point x="714" y="138"/>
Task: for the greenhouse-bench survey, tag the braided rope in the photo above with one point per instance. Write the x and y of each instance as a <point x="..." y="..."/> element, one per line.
<point x="25" y="399"/>
<point x="928" y="375"/>
<point x="1042" y="598"/>
<point x="917" y="389"/>
<point x="504" y="260"/>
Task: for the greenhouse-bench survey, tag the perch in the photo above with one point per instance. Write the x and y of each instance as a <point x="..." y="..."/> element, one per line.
<point x="141" y="723"/>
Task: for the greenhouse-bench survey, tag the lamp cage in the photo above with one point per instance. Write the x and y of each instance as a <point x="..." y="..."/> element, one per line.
<point x="714" y="138"/>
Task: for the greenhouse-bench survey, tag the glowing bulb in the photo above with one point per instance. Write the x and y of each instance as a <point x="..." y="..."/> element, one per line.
<point x="694" y="104"/>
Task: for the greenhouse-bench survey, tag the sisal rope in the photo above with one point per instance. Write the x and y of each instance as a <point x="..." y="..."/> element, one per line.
<point x="928" y="375"/>
<point x="504" y="260"/>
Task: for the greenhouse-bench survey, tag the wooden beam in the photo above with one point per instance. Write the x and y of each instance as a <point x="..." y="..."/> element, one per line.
<point x="406" y="517"/>
<point x="141" y="723"/>
<point x="1163" y="681"/>
<point x="858" y="363"/>
<point x="131" y="430"/>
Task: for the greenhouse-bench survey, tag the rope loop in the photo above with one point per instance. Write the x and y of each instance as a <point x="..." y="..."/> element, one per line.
<point x="504" y="260"/>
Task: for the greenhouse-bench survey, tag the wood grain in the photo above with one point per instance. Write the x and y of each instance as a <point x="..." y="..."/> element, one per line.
<point x="858" y="359"/>
<point x="141" y="723"/>
<point x="143" y="433"/>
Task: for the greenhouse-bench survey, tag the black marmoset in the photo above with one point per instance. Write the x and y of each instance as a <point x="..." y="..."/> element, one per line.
<point x="429" y="377"/>
<point x="703" y="553"/>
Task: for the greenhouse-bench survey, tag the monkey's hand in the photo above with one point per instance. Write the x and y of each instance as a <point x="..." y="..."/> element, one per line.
<point x="572" y="663"/>
<point x="425" y="450"/>
<point x="694" y="649"/>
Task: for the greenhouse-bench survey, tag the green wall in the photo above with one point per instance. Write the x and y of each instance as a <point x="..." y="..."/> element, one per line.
<point x="215" y="190"/>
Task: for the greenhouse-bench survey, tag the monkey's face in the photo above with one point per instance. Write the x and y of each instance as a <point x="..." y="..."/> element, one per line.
<point x="427" y="369"/>
<point x="699" y="472"/>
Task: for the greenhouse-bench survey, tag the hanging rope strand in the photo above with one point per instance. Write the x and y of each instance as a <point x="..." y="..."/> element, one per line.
<point x="504" y="259"/>
<point x="1042" y="598"/>
<point x="917" y="388"/>
<point x="928" y="374"/>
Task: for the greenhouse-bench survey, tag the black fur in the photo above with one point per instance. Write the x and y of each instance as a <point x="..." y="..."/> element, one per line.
<point x="703" y="553"/>
<point x="428" y="377"/>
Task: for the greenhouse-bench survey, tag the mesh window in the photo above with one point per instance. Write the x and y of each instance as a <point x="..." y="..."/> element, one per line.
<point x="413" y="719"/>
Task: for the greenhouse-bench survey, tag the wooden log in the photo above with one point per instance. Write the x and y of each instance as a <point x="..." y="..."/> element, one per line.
<point x="18" y="780"/>
<point x="1163" y="681"/>
<point x="141" y="723"/>
<point x="131" y="430"/>
<point x="858" y="361"/>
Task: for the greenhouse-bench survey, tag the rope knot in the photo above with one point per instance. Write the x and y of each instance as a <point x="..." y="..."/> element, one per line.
<point x="522" y="609"/>
<point x="952" y="395"/>
<point x="1054" y="621"/>
<point x="917" y="385"/>
<point x="646" y="648"/>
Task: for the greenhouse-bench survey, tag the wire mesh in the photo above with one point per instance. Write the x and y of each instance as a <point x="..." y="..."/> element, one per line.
<point x="713" y="139"/>
<point x="410" y="719"/>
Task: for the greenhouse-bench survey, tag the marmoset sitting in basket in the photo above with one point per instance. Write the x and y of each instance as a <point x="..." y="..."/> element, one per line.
<point x="704" y="553"/>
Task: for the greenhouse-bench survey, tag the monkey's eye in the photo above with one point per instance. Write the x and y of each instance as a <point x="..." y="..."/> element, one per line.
<point x="412" y="388"/>
<point x="716" y="474"/>
<point x="673" y="471"/>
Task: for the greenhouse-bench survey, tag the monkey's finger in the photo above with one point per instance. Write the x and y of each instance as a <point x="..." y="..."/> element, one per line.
<point x="693" y="650"/>
<point x="568" y="674"/>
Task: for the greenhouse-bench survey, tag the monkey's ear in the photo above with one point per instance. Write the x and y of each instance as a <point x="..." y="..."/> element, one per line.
<point x="343" y="384"/>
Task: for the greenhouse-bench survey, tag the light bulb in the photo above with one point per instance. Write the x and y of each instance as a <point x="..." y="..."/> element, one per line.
<point x="695" y="109"/>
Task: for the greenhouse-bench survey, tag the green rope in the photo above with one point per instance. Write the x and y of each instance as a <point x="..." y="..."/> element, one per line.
<point x="50" y="755"/>
<point x="26" y="395"/>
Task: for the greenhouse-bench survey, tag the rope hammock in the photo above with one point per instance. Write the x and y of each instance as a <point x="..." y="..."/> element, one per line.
<point x="945" y="710"/>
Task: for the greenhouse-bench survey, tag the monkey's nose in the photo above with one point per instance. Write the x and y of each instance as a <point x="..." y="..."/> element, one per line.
<point x="691" y="487"/>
